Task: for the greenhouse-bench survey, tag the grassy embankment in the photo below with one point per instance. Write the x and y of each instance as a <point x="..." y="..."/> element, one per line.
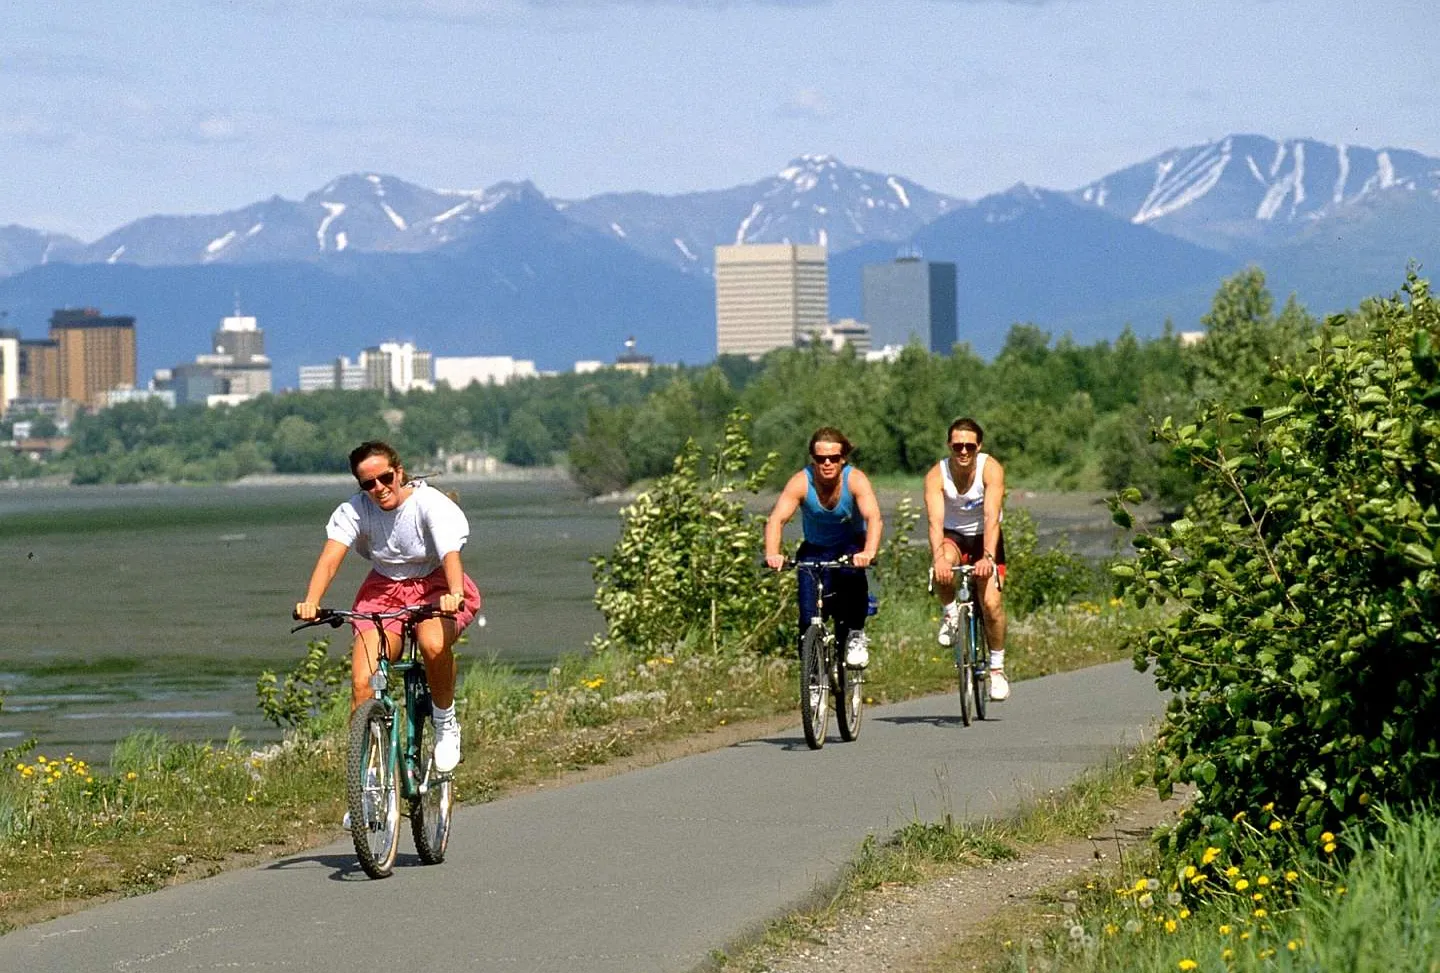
<point x="166" y="811"/>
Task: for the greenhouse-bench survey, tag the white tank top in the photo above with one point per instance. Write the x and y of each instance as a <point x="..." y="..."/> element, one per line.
<point x="965" y="512"/>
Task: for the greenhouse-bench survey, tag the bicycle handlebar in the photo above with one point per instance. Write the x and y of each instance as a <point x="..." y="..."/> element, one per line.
<point x="839" y="562"/>
<point x="335" y="617"/>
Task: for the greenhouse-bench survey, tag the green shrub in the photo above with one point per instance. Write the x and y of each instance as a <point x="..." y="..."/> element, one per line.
<point x="688" y="558"/>
<point x="1302" y="651"/>
<point x="1035" y="578"/>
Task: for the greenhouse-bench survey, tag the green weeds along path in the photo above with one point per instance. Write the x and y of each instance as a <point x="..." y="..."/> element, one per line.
<point x="165" y="811"/>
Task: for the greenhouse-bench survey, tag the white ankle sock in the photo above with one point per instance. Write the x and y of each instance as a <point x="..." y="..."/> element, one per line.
<point x="997" y="659"/>
<point x="438" y="715"/>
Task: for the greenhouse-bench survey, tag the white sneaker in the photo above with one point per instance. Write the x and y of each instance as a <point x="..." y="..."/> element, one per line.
<point x="949" y="622"/>
<point x="447" y="745"/>
<point x="346" y="823"/>
<point x="999" y="685"/>
<point x="857" y="650"/>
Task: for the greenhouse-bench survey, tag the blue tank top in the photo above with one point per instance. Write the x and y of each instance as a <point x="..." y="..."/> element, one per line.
<point x="831" y="526"/>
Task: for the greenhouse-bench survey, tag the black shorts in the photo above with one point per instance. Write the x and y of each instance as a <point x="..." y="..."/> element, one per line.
<point x="972" y="546"/>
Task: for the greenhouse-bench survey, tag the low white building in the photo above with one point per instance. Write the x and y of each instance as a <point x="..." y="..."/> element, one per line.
<point x="482" y="369"/>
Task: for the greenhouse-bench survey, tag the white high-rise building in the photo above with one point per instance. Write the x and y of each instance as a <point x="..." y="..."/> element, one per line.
<point x="768" y="296"/>
<point x="9" y="369"/>
<point x="483" y="369"/>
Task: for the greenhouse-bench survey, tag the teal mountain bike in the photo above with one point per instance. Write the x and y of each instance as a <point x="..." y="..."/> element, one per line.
<point x="391" y="752"/>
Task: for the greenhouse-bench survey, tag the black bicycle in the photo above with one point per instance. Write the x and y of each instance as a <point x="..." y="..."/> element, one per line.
<point x="823" y="673"/>
<point x="392" y="752"/>
<point x="972" y="655"/>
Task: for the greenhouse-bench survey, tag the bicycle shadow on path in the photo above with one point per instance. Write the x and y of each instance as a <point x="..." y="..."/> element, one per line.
<point x="945" y="721"/>
<point x="343" y="866"/>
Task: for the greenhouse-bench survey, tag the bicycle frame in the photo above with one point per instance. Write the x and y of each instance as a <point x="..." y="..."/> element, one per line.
<point x="405" y="734"/>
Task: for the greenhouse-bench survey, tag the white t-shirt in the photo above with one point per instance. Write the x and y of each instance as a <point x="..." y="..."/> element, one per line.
<point x="407" y="542"/>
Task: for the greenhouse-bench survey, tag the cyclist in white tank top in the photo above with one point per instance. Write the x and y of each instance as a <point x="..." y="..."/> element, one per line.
<point x="963" y="497"/>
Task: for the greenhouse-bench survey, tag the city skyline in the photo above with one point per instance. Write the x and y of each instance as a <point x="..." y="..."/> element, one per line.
<point x="160" y="106"/>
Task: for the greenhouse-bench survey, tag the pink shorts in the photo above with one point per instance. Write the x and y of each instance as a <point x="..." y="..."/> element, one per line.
<point x="380" y="594"/>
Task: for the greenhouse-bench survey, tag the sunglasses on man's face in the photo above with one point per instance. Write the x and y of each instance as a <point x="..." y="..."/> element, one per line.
<point x="961" y="448"/>
<point x="831" y="458"/>
<point x="385" y="479"/>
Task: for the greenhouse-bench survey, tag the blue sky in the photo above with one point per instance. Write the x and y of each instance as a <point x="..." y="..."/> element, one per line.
<point x="115" y="109"/>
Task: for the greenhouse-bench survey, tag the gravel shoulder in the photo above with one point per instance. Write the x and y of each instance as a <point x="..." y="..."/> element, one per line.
<point x="960" y="920"/>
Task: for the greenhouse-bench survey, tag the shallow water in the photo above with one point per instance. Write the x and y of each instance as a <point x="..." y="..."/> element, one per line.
<point x="155" y="607"/>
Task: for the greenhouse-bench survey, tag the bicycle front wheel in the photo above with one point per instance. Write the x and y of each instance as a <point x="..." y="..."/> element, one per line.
<point x="965" y="664"/>
<point x="371" y="789"/>
<point x="814" y="687"/>
<point x="430" y="808"/>
<point x="980" y="666"/>
<point x="849" y="698"/>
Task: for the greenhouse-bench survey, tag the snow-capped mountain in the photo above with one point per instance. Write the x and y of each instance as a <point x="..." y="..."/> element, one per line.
<point x="814" y="199"/>
<point x="21" y="247"/>
<point x="366" y="213"/>
<point x="1247" y="189"/>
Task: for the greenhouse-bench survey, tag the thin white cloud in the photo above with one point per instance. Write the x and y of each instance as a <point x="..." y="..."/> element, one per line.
<point x="807" y="103"/>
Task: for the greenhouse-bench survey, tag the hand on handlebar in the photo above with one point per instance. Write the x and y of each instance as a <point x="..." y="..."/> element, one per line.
<point x="776" y="562"/>
<point x="862" y="560"/>
<point x="944" y="570"/>
<point x="451" y="603"/>
<point x="305" y="611"/>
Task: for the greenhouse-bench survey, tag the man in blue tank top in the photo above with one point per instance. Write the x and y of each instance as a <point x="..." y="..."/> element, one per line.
<point x="840" y="516"/>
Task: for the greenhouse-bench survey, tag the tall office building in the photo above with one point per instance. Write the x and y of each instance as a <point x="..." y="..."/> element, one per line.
<point x="39" y="361"/>
<point x="9" y="368"/>
<point x="239" y="360"/>
<point x="910" y="300"/>
<point x="768" y="295"/>
<point x="97" y="354"/>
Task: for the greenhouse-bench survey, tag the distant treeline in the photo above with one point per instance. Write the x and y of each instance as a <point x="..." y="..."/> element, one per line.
<point x="1058" y="414"/>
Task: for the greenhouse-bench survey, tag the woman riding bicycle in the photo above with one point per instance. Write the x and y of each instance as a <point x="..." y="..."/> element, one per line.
<point x="412" y="535"/>
<point x="840" y="517"/>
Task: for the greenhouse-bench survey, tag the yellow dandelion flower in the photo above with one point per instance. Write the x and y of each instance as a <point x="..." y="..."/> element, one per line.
<point x="1239" y="816"/>
<point x="1141" y="884"/>
<point x="1187" y="964"/>
<point x="1327" y="836"/>
<point x="1111" y="929"/>
<point x="1242" y="885"/>
<point x="1262" y="880"/>
<point x="1276" y="825"/>
<point x="1227" y="953"/>
<point x="1291" y="875"/>
<point x="1190" y="871"/>
<point x="1329" y="847"/>
<point x="1293" y="945"/>
<point x="1184" y="913"/>
<point x="1244" y="936"/>
<point x="1225" y="929"/>
<point x="1210" y="855"/>
<point x="27" y="771"/>
<point x="1269" y="807"/>
<point x="1340" y="890"/>
<point x="1257" y="896"/>
<point x="1170" y="925"/>
<point x="1260" y="913"/>
<point x="131" y="775"/>
<point x="1232" y="871"/>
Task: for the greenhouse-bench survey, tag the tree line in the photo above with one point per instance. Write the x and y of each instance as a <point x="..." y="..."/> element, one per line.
<point x="1060" y="414"/>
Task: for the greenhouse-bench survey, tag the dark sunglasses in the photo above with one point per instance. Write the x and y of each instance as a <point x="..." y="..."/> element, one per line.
<point x="835" y="458"/>
<point x="387" y="479"/>
<point x="964" y="447"/>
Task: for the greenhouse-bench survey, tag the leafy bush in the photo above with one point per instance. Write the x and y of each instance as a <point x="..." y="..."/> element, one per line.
<point x="1302" y="653"/>
<point x="687" y="562"/>
<point x="1036" y="578"/>
<point x="307" y="692"/>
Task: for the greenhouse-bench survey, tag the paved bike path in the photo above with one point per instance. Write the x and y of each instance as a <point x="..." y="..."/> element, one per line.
<point x="644" y="871"/>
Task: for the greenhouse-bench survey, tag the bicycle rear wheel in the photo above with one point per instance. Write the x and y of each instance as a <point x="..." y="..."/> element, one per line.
<point x="814" y="687"/>
<point x="965" y="664"/>
<point x="849" y="698"/>
<point x="371" y="789"/>
<point x="430" y="808"/>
